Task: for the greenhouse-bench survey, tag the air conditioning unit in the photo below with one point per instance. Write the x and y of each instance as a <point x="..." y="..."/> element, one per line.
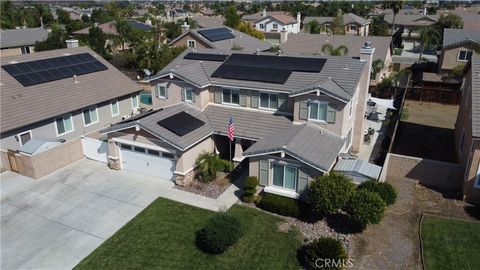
<point x="125" y="117"/>
<point x="135" y="111"/>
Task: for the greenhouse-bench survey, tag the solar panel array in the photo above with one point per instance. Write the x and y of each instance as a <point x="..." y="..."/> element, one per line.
<point x="53" y="69"/>
<point x="217" y="34"/>
<point x="206" y="57"/>
<point x="181" y="123"/>
<point x="266" y="68"/>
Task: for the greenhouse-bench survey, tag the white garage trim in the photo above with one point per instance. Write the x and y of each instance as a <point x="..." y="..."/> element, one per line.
<point x="146" y="162"/>
<point x="144" y="145"/>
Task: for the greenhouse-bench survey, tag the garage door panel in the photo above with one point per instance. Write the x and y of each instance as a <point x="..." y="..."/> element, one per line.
<point x="149" y="164"/>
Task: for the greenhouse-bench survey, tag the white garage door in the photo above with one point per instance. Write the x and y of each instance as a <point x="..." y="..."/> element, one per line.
<point x="147" y="161"/>
<point x="95" y="149"/>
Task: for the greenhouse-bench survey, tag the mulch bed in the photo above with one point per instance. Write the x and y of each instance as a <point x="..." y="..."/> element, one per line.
<point x="211" y="189"/>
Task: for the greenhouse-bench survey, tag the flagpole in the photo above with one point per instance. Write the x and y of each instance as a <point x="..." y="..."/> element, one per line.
<point x="230" y="155"/>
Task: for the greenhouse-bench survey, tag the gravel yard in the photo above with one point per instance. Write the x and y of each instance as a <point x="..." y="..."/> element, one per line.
<point x="211" y="189"/>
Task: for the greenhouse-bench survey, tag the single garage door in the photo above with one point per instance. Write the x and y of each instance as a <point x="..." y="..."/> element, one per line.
<point x="147" y="161"/>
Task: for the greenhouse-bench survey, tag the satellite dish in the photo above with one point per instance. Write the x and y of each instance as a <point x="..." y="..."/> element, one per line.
<point x="147" y="72"/>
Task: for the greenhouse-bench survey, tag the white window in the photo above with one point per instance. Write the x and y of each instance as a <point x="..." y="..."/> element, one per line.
<point x="24" y="137"/>
<point x="161" y="91"/>
<point x="477" y="178"/>
<point x="231" y="96"/>
<point x="353" y="27"/>
<point x="261" y="26"/>
<point x="25" y="50"/>
<point x="188" y="94"/>
<point x="318" y="111"/>
<point x="284" y="176"/>
<point x="191" y="44"/>
<point x="464" y="56"/>
<point x="134" y="100"/>
<point x="114" y="107"/>
<point x="90" y="116"/>
<point x="269" y="101"/>
<point x="275" y="26"/>
<point x="64" y="125"/>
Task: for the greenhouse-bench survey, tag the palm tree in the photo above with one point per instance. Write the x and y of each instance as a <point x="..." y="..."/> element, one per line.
<point x="330" y="50"/>
<point x="429" y="38"/>
<point x="207" y="166"/>
<point x="396" y="6"/>
<point x="313" y="27"/>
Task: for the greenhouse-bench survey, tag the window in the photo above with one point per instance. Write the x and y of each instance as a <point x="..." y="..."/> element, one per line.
<point x="269" y="100"/>
<point x="153" y="152"/>
<point x="25" y="50"/>
<point x="231" y="96"/>
<point x="24" y="137"/>
<point x="191" y="43"/>
<point x="477" y="178"/>
<point x="64" y="125"/>
<point x="188" y="94"/>
<point x="262" y="26"/>
<point x="318" y="111"/>
<point x="134" y="100"/>
<point x="126" y="147"/>
<point x="464" y="56"/>
<point x="139" y="149"/>
<point x="275" y="26"/>
<point x="353" y="27"/>
<point x="90" y="116"/>
<point x="161" y="91"/>
<point x="168" y="155"/>
<point x="284" y="176"/>
<point x="114" y="107"/>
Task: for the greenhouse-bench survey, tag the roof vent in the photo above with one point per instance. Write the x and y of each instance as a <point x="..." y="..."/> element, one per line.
<point x="75" y="80"/>
<point x="258" y="52"/>
<point x="346" y="67"/>
<point x="368" y="44"/>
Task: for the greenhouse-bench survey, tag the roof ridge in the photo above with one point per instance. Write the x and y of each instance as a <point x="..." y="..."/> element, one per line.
<point x="293" y="136"/>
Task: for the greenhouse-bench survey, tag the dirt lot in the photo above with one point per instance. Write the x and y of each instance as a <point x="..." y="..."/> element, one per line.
<point x="394" y="243"/>
<point x="426" y="131"/>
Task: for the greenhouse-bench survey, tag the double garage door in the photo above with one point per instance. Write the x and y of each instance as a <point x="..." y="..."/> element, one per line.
<point x="147" y="161"/>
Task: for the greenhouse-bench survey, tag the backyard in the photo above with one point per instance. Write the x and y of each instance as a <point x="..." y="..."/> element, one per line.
<point x="450" y="243"/>
<point x="426" y="131"/>
<point x="163" y="237"/>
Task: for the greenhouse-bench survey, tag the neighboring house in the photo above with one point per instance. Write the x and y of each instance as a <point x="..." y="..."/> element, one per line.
<point x="274" y="22"/>
<point x="467" y="131"/>
<point x="209" y="22"/>
<point x="77" y="14"/>
<point x="222" y="38"/>
<point x="303" y="43"/>
<point x="20" y="41"/>
<point x="354" y="24"/>
<point x="206" y="12"/>
<point x="457" y="48"/>
<point x="410" y="25"/>
<point x="61" y="95"/>
<point x="110" y="30"/>
<point x="293" y="116"/>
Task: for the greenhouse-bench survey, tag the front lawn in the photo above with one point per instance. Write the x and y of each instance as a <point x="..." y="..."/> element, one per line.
<point x="163" y="237"/>
<point x="450" y="243"/>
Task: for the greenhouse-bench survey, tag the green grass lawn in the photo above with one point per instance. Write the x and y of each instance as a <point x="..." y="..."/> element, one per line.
<point x="163" y="237"/>
<point x="450" y="243"/>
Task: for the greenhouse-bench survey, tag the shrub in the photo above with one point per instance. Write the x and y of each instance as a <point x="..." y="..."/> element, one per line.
<point x="207" y="165"/>
<point x="220" y="232"/>
<point x="324" y="248"/>
<point x="225" y="165"/>
<point x="250" y="187"/>
<point x="330" y="193"/>
<point x="386" y="191"/>
<point x="366" y="207"/>
<point x="282" y="205"/>
<point x="248" y="198"/>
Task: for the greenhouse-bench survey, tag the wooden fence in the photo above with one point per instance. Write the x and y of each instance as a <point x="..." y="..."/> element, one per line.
<point x="426" y="94"/>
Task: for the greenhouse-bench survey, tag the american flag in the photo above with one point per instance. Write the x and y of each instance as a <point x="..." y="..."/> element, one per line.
<point x="231" y="129"/>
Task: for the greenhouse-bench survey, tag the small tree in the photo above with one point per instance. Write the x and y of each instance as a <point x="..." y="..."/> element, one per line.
<point x="338" y="27"/>
<point x="250" y="30"/>
<point x="328" y="49"/>
<point x="250" y="187"/>
<point x="386" y="191"/>
<point x="232" y="19"/>
<point x="313" y="27"/>
<point x="220" y="232"/>
<point x="429" y="38"/>
<point x="324" y="248"/>
<point x="330" y="193"/>
<point x="207" y="165"/>
<point x="366" y="207"/>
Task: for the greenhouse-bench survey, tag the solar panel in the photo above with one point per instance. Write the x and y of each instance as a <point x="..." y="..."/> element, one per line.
<point x="206" y="57"/>
<point x="302" y="64"/>
<point x="258" y="74"/>
<point x="181" y="123"/>
<point x="52" y="69"/>
<point x="217" y="34"/>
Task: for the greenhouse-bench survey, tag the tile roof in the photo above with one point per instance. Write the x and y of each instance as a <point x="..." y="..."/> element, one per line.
<point x="347" y="19"/>
<point x="307" y="142"/>
<point x="304" y="43"/>
<point x="259" y="15"/>
<point x="247" y="42"/>
<point x="283" y="18"/>
<point x="109" y="28"/>
<point x="22" y="37"/>
<point x="249" y="124"/>
<point x="456" y="36"/>
<point x="475" y="65"/>
<point x="209" y="22"/>
<point x="412" y="20"/>
<point x="21" y="105"/>
<point x="344" y="71"/>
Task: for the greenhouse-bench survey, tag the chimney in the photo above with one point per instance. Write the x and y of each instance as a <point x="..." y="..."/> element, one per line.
<point x="185" y="27"/>
<point x="72" y="43"/>
<point x="299" y="21"/>
<point x="283" y="35"/>
<point x="425" y="11"/>
<point x="366" y="54"/>
<point x="264" y="13"/>
<point x="148" y="22"/>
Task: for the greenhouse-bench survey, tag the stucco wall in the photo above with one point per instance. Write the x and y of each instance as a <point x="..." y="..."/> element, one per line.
<point x="448" y="58"/>
<point x="14" y="51"/>
<point x="186" y="162"/>
<point x="183" y="41"/>
<point x="174" y="88"/>
<point x="47" y="130"/>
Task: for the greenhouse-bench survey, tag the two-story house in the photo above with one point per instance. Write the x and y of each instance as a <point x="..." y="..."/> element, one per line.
<point x="467" y="131"/>
<point x="293" y="116"/>
<point x="20" y="41"/>
<point x="457" y="48"/>
<point x="274" y="21"/>
<point x="354" y="24"/>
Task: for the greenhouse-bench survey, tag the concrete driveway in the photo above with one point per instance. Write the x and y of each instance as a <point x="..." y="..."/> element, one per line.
<point x="56" y="221"/>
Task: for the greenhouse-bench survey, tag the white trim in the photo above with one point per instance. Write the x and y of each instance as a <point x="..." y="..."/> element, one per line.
<point x="21" y="133"/>
<point x="260" y="101"/>
<point x="143" y="145"/>
<point x="138" y="101"/>
<point x="111" y="107"/>
<point x="327" y="94"/>
<point x="281" y="192"/>
<point x="63" y="119"/>
<point x="273" y="163"/>
<point x="319" y="102"/>
<point x="194" y="43"/>
<point x="157" y="90"/>
<point x="184" y="89"/>
<point x="466" y="54"/>
<point x="83" y="116"/>
<point x="302" y="161"/>
<point x="231" y="96"/>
